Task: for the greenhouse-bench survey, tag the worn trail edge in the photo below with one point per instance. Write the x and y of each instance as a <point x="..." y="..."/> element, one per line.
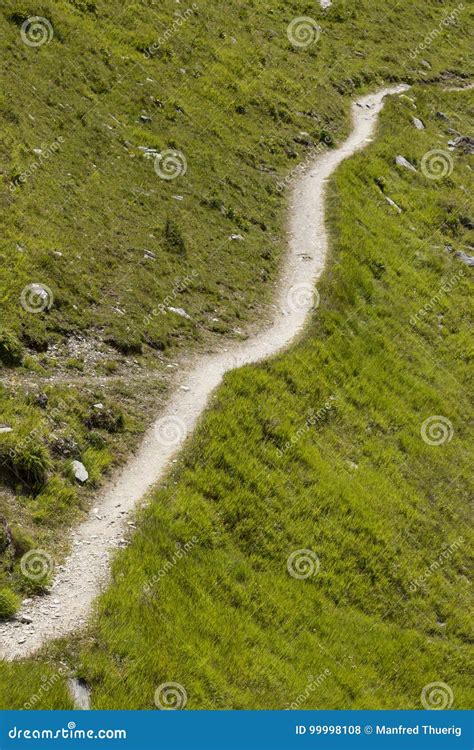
<point x="85" y="571"/>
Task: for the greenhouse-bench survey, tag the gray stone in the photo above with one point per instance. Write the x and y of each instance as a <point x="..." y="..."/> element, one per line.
<point x="392" y="203"/>
<point x="80" y="471"/>
<point x="465" y="258"/>
<point x="418" y="123"/>
<point x="179" y="311"/>
<point x="402" y="162"/>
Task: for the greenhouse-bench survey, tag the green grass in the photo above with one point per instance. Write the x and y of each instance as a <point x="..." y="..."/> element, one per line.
<point x="360" y="487"/>
<point x="321" y="449"/>
<point x="95" y="224"/>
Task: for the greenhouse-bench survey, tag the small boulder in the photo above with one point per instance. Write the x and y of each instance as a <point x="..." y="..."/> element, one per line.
<point x="392" y="203"/>
<point x="418" y="123"/>
<point x="465" y="143"/>
<point x="237" y="237"/>
<point x="465" y="258"/>
<point x="5" y="428"/>
<point x="402" y="162"/>
<point x="179" y="311"/>
<point x="80" y="471"/>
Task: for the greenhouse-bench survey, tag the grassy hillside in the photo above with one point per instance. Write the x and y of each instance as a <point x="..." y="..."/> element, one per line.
<point x="321" y="449"/>
<point x="116" y="246"/>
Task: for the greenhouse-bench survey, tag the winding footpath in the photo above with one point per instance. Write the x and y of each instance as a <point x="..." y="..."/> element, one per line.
<point x="85" y="572"/>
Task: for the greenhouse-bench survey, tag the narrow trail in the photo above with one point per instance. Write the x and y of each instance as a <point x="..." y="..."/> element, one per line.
<point x="84" y="573"/>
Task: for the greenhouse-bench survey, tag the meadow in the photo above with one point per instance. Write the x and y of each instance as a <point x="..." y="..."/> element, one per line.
<point x="318" y="449"/>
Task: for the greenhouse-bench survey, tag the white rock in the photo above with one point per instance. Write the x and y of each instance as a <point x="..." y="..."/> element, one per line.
<point x="402" y="162"/>
<point x="4" y="428"/>
<point x="392" y="203"/>
<point x="236" y="237"/>
<point x="179" y="311"/>
<point x="418" y="123"/>
<point x="80" y="471"/>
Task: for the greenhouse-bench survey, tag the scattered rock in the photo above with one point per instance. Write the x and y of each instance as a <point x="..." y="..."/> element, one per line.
<point x="402" y="162"/>
<point x="149" y="254"/>
<point x="425" y="64"/>
<point x="5" y="428"/>
<point x="325" y="4"/>
<point x="392" y="203"/>
<point x="465" y="143"/>
<point x="418" y="123"/>
<point x="80" y="471"/>
<point x="179" y="311"/>
<point x="42" y="400"/>
<point x="465" y="258"/>
<point x="236" y="237"/>
<point x="441" y="116"/>
<point x="145" y="118"/>
<point x="304" y="139"/>
<point x="178" y="197"/>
